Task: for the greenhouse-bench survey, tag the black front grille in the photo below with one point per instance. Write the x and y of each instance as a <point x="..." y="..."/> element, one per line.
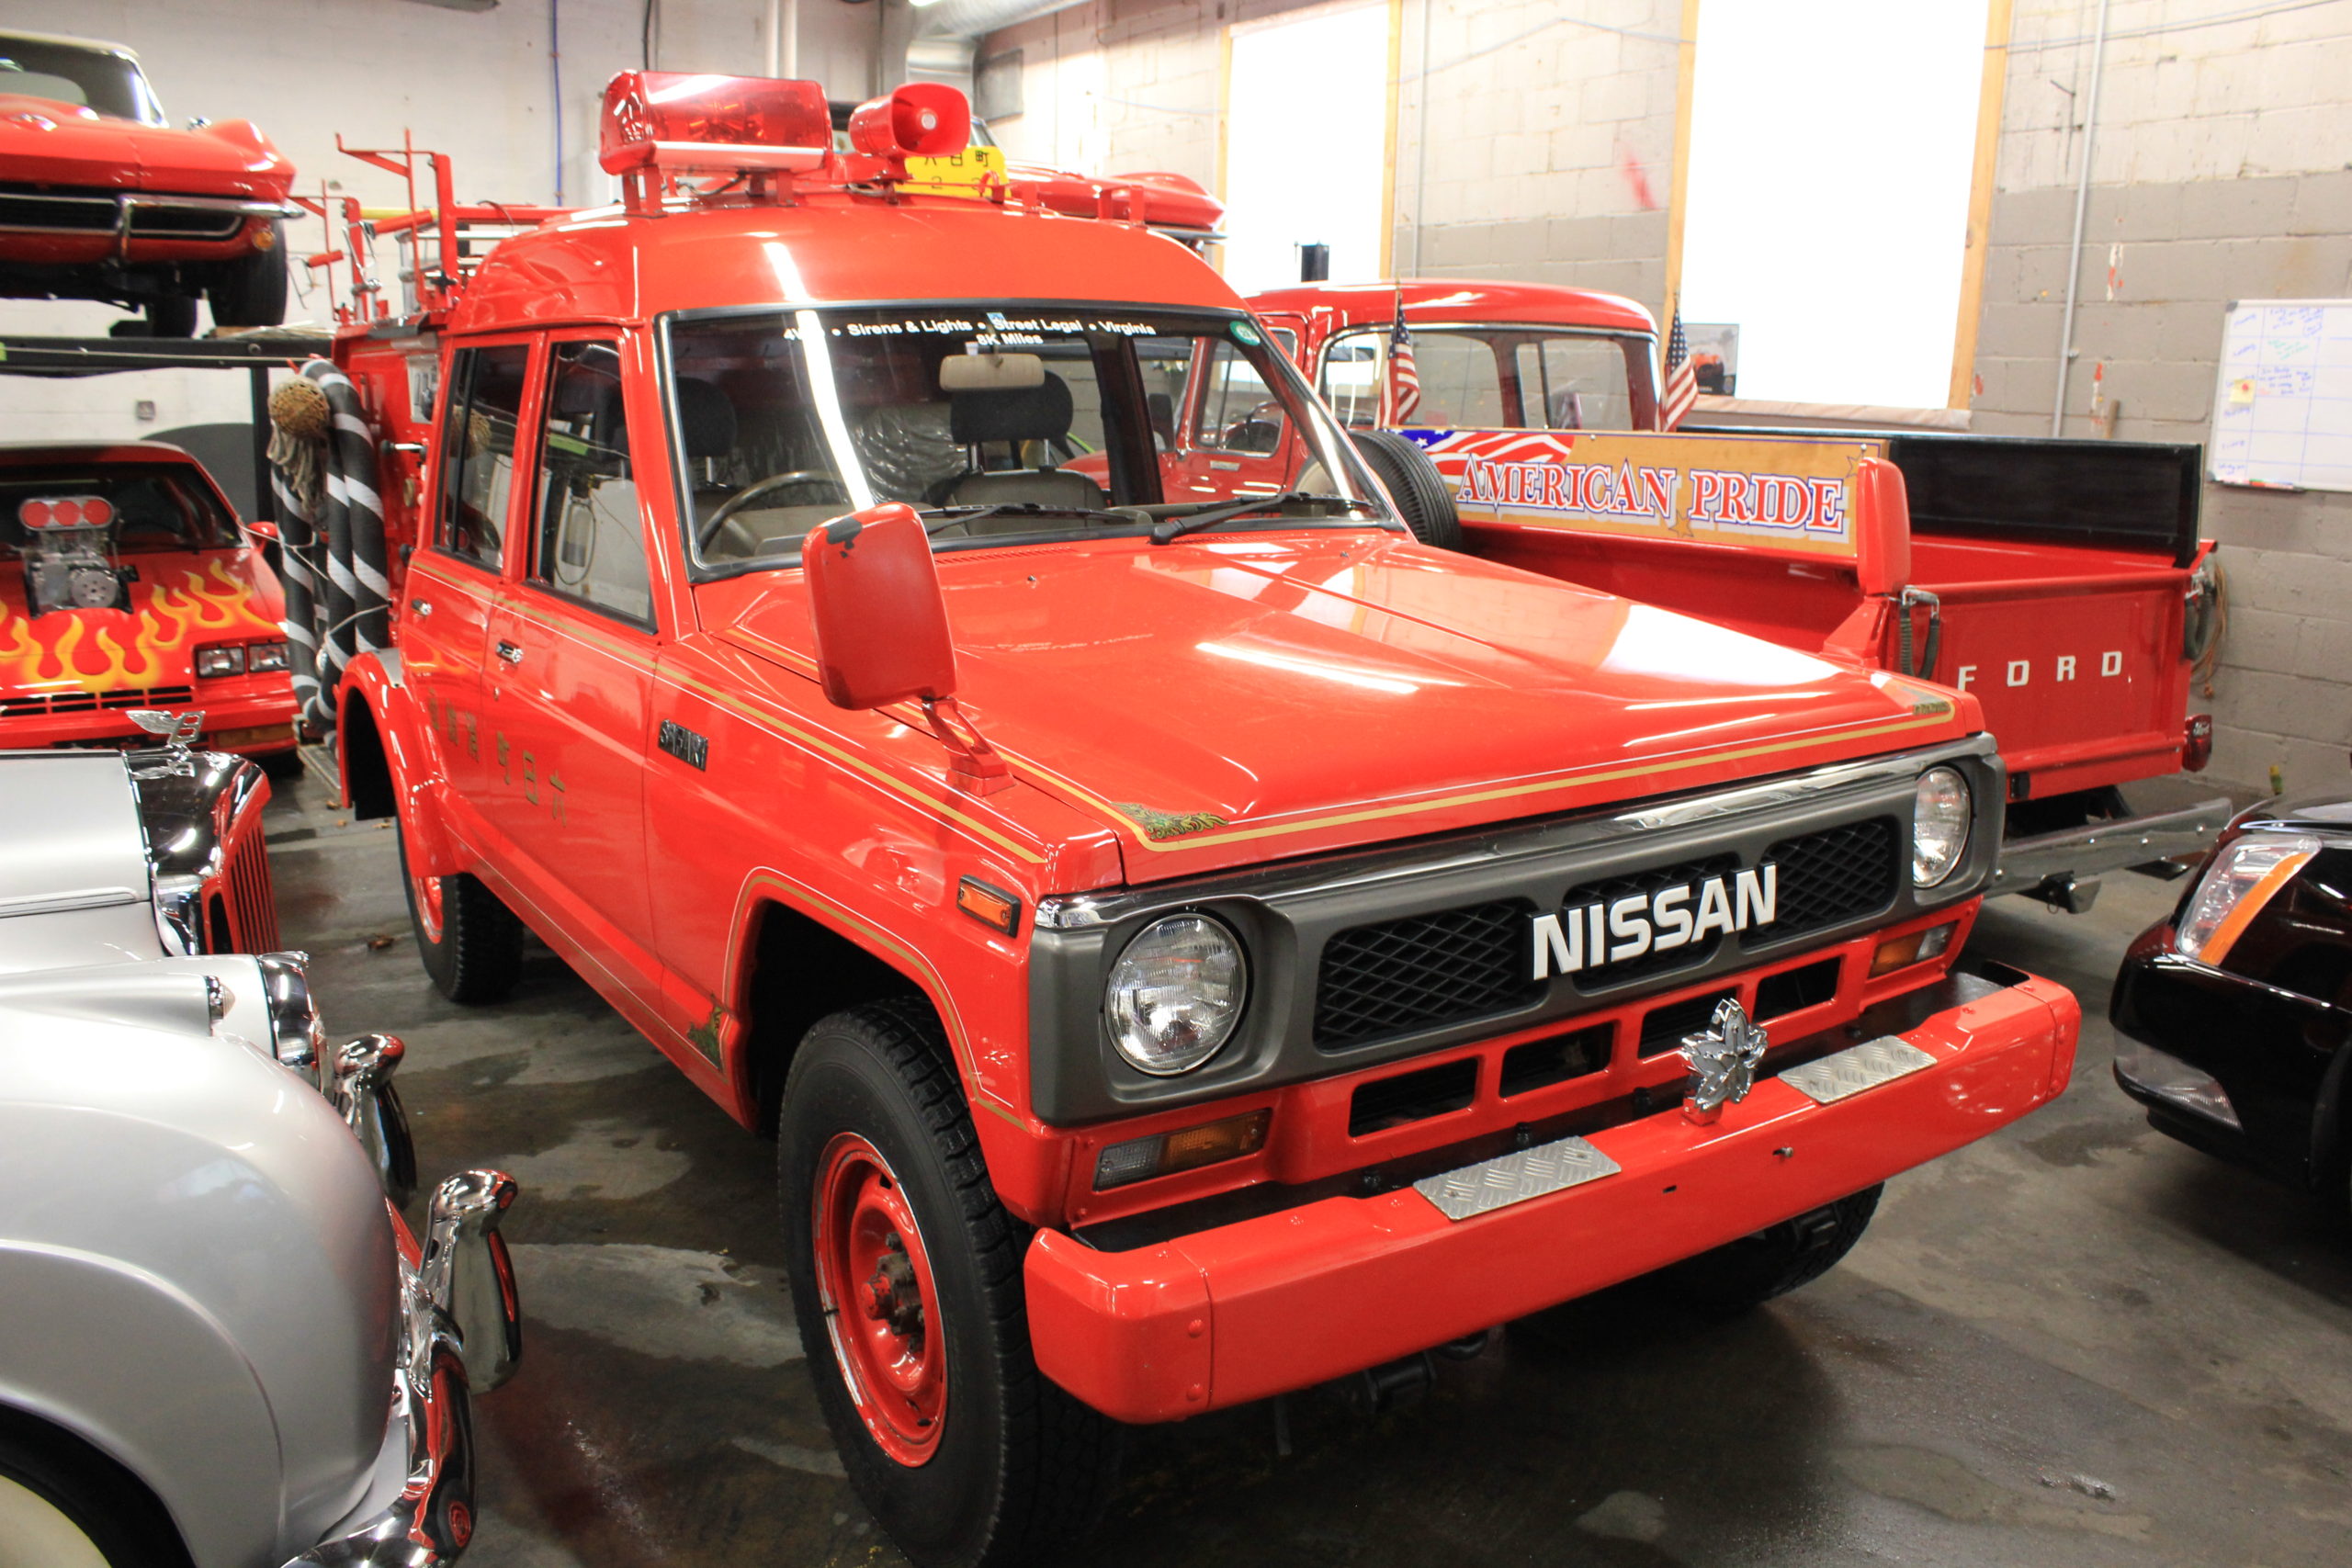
<point x="1832" y="876"/>
<point x="1423" y="971"/>
<point x="185" y="222"/>
<point x="1687" y="956"/>
<point x="1458" y="966"/>
<point x="89" y="702"/>
<point x="28" y="207"/>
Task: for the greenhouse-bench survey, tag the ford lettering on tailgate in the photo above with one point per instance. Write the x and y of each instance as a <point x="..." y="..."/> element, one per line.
<point x="1590" y="935"/>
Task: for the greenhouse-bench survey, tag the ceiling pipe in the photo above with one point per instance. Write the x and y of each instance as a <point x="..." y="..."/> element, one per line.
<point x="946" y="36"/>
<point x="2082" y="209"/>
<point x="784" y="38"/>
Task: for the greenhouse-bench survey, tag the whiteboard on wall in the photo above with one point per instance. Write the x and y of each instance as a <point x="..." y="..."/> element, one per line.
<point x="2282" y="411"/>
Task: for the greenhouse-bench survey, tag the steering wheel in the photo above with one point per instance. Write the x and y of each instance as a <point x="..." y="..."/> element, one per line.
<point x="744" y="497"/>
<point x="1266" y="417"/>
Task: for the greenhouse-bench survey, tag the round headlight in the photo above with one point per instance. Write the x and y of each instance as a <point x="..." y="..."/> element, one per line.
<point x="1940" y="813"/>
<point x="1176" y="994"/>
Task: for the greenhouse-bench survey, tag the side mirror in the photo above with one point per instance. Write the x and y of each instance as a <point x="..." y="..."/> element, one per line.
<point x="1882" y="527"/>
<point x="881" y="630"/>
<point x="875" y="605"/>
<point x="263" y="529"/>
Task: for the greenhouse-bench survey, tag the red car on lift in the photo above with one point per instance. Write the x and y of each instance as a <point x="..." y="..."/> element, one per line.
<point x="101" y="198"/>
<point x="1191" y="943"/>
<point x="125" y="584"/>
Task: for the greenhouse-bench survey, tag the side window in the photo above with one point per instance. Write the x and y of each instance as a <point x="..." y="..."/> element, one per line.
<point x="1576" y="383"/>
<point x="1239" y="412"/>
<point x="1461" y="382"/>
<point x="589" y="535"/>
<point x="478" y="449"/>
<point x="1353" y="367"/>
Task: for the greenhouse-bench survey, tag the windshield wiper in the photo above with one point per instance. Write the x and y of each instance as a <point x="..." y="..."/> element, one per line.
<point x="1168" y="528"/>
<point x="938" y="519"/>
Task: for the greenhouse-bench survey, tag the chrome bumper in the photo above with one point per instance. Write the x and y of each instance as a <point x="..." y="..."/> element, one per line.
<point x="2027" y="863"/>
<point x="462" y="1333"/>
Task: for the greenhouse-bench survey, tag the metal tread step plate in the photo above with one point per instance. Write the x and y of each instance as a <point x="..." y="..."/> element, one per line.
<point x="1856" y="1069"/>
<point x="1515" y="1178"/>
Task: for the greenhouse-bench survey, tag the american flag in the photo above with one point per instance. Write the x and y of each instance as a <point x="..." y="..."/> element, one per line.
<point x="1682" y="381"/>
<point x="1404" y="379"/>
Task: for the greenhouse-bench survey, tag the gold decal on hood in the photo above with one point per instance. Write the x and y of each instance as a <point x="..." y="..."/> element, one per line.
<point x="1158" y="824"/>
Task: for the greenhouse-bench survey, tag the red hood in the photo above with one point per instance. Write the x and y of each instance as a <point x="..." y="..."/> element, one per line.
<point x="180" y="601"/>
<point x="52" y="144"/>
<point x="1224" y="701"/>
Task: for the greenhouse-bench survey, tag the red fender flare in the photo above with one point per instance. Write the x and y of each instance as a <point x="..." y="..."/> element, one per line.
<point x="375" y="680"/>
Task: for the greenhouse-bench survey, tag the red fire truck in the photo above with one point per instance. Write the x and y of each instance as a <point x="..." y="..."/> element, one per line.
<point x="1189" y="942"/>
<point x="2062" y="583"/>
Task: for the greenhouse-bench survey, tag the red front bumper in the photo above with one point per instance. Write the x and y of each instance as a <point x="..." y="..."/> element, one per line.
<point x="1223" y="1317"/>
<point x="252" y="716"/>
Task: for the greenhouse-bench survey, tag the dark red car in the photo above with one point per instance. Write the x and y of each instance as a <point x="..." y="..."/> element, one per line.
<point x="100" y="198"/>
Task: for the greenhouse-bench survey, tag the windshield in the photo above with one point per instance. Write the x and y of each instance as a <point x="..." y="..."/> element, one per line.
<point x="1496" y="378"/>
<point x="104" y="82"/>
<point x="154" y="506"/>
<point x="995" y="422"/>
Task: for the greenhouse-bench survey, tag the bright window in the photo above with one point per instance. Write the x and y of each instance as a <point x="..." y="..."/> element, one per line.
<point x="1831" y="148"/>
<point x="1303" y="135"/>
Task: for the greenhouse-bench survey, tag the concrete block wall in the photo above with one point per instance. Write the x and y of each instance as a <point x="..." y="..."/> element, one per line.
<point x="1550" y="136"/>
<point x="2219" y="173"/>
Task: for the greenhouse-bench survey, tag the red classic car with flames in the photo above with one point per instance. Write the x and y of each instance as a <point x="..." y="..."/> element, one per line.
<point x="101" y="198"/>
<point x="132" y="588"/>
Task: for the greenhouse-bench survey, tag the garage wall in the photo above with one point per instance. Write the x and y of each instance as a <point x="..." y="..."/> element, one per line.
<point x="1550" y="138"/>
<point x="2219" y="173"/>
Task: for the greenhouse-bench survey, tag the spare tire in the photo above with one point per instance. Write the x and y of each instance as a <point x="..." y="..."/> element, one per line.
<point x="1414" y="484"/>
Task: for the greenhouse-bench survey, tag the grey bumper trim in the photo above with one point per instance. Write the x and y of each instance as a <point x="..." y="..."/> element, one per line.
<point x="2109" y="846"/>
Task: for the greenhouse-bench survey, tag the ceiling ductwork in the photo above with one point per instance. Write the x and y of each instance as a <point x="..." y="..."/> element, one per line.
<point x="946" y="34"/>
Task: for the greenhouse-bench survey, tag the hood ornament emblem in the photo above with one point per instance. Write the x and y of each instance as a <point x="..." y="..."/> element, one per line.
<point x="176" y="732"/>
<point x="1721" y="1058"/>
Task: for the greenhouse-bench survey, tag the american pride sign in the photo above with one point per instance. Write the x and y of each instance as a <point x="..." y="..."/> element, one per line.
<point x="1787" y="495"/>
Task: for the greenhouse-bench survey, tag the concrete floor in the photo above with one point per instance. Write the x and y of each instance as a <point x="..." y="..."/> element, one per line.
<point x="2075" y="1342"/>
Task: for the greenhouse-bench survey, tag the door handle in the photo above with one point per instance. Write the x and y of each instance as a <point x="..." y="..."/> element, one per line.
<point x="509" y="651"/>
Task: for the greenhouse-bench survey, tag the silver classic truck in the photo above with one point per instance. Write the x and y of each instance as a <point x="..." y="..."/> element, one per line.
<point x="220" y="1346"/>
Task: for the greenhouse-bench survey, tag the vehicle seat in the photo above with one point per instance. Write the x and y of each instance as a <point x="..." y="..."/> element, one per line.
<point x="706" y="424"/>
<point x="909" y="452"/>
<point x="1018" y="416"/>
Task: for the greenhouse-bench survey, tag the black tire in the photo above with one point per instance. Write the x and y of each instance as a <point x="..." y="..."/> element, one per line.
<point x="1019" y="1466"/>
<point x="106" y="1503"/>
<point x="1752" y="1271"/>
<point x="171" y="315"/>
<point x="251" y="290"/>
<point x="477" y="954"/>
<point x="1414" y="484"/>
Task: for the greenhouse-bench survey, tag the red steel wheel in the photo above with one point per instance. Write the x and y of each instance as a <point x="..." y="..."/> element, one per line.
<point x="881" y="1302"/>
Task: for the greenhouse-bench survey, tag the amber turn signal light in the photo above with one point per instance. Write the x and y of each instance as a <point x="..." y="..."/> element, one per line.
<point x="1900" y="952"/>
<point x="1165" y="1154"/>
<point x="992" y="907"/>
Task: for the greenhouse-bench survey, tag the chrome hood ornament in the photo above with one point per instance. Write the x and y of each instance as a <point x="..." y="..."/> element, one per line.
<point x="175" y="732"/>
<point x="1721" y="1058"/>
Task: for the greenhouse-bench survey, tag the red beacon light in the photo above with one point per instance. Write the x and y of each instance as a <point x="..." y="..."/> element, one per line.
<point x="677" y="122"/>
